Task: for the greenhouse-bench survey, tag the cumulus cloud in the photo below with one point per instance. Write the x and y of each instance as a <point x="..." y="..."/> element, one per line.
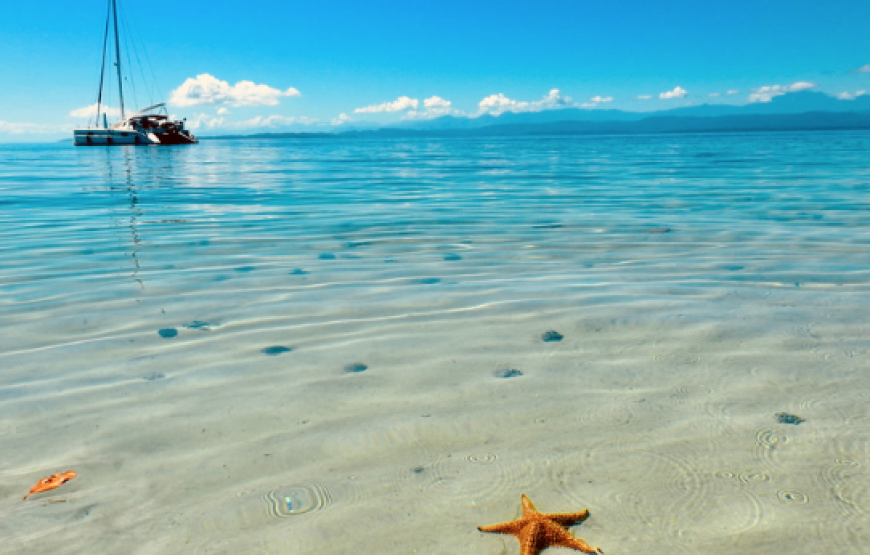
<point x="732" y="91"/>
<point x="714" y="94"/>
<point x="13" y="128"/>
<point x="554" y="99"/>
<point x="341" y="119"/>
<point x="497" y="104"/>
<point x="222" y="111"/>
<point x="436" y="102"/>
<point x="205" y="121"/>
<point x="845" y="95"/>
<point x="765" y="94"/>
<point x="91" y="111"/>
<point x="272" y="121"/>
<point x="863" y="69"/>
<point x="644" y="96"/>
<point x="678" y="92"/>
<point x="595" y="101"/>
<point x="398" y="105"/>
<point x="433" y="107"/>
<point x="206" y="90"/>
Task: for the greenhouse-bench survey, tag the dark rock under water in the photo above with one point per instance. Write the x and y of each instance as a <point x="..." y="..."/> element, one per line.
<point x="786" y="418"/>
<point x="551" y="335"/>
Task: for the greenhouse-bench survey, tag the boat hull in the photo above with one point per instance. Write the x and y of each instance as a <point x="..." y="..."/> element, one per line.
<point x="111" y="137"/>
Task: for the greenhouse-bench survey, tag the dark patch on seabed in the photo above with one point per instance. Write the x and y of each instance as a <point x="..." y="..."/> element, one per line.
<point x="168" y="333"/>
<point x="84" y="512"/>
<point x="508" y="373"/>
<point x="552" y="335"/>
<point x="786" y="418"/>
<point x="355" y="368"/>
<point x="275" y="350"/>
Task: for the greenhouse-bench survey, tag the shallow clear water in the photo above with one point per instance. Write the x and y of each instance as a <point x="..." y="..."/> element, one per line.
<point x="312" y="346"/>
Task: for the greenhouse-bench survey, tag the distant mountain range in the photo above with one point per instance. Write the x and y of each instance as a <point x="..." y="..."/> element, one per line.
<point x="803" y="110"/>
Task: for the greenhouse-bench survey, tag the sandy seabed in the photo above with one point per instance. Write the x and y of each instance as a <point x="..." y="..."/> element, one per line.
<point x="657" y="411"/>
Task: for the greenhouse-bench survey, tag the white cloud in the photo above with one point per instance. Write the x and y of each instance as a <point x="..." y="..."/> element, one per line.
<point x="341" y="119"/>
<point x="436" y="102"/>
<point x="208" y="90"/>
<point x="497" y="104"/>
<point x="644" y="96"/>
<point x="863" y="69"/>
<point x="850" y="96"/>
<point x="714" y="94"/>
<point x="11" y="128"/>
<point x="601" y="99"/>
<point x="91" y="111"/>
<point x="401" y="103"/>
<point x="271" y="121"/>
<point x="678" y="92"/>
<point x="733" y="91"/>
<point x="205" y="121"/>
<point x="434" y="107"/>
<point x="222" y="111"/>
<point x="554" y="99"/>
<point x="765" y="94"/>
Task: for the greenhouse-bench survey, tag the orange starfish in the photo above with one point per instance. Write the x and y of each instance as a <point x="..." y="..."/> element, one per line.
<point x="537" y="531"/>
<point x="53" y="481"/>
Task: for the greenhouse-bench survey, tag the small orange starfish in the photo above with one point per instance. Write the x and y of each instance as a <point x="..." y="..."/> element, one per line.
<point x="53" y="481"/>
<point x="537" y="531"/>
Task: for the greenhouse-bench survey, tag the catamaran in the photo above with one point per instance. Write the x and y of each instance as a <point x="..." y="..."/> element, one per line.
<point x="149" y="126"/>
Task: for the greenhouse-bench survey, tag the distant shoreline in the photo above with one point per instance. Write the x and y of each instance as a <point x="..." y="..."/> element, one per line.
<point x="809" y="121"/>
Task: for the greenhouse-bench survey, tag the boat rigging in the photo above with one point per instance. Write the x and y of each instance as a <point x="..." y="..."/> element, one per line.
<point x="149" y="126"/>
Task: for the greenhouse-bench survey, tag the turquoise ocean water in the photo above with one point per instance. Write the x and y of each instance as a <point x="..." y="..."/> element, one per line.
<point x="308" y="346"/>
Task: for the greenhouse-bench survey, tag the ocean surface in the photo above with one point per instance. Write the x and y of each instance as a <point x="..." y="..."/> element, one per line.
<point x="375" y="346"/>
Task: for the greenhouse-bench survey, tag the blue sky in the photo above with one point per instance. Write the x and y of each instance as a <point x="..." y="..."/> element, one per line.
<point x="317" y="63"/>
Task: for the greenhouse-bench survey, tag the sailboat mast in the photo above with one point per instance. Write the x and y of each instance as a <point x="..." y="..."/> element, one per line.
<point x="118" y="57"/>
<point x="103" y="68"/>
